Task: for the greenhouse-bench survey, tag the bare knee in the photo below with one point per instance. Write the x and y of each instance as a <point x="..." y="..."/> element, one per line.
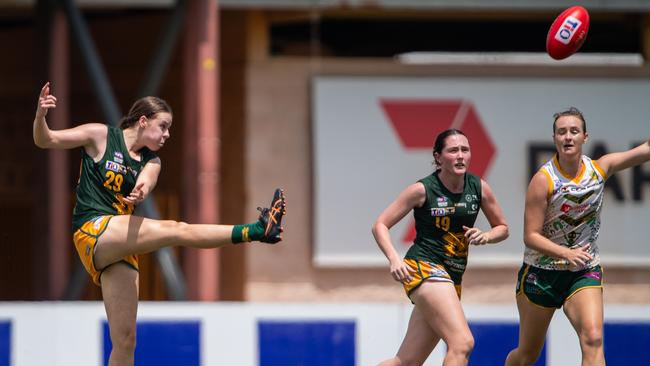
<point x="174" y="225"/>
<point x="176" y="229"/>
<point x="461" y="345"/>
<point x="123" y="338"/>
<point x="591" y="338"/>
<point x="179" y="226"/>
<point x="403" y="361"/>
<point x="524" y="357"/>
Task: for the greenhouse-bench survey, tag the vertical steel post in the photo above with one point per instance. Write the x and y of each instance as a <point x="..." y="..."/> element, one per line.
<point x="171" y="272"/>
<point x="202" y="141"/>
<point x="58" y="167"/>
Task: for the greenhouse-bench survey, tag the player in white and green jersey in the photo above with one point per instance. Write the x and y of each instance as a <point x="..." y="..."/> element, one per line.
<point x="572" y="217"/>
<point x="561" y="224"/>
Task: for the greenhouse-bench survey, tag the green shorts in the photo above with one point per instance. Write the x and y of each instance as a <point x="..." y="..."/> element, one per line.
<point x="551" y="289"/>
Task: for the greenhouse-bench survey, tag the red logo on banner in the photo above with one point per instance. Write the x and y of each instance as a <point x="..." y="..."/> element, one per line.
<point x="418" y="122"/>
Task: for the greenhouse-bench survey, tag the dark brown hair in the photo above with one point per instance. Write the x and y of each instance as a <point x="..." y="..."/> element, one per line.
<point x="440" y="142"/>
<point x="146" y="106"/>
<point x="572" y="111"/>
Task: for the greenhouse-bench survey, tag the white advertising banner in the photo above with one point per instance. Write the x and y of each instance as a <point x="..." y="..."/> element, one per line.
<point x="231" y="333"/>
<point x="373" y="136"/>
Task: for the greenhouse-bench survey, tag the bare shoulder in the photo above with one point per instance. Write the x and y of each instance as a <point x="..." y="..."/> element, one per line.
<point x="155" y="160"/>
<point x="95" y="136"/>
<point x="486" y="190"/>
<point x="539" y="185"/>
<point x="539" y="178"/>
<point x="87" y="133"/>
<point x="416" y="189"/>
<point x="415" y="194"/>
<point x="95" y="130"/>
<point x="485" y="186"/>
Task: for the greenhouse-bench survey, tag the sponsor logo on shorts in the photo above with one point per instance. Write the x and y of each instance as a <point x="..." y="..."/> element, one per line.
<point x="531" y="278"/>
<point x="438" y="272"/>
<point x="594" y="275"/>
<point x="98" y="222"/>
<point x="455" y="267"/>
<point x="533" y="290"/>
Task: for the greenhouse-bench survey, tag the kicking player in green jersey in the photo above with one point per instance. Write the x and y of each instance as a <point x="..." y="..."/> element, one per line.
<point x="561" y="223"/>
<point x="445" y="205"/>
<point x="119" y="169"/>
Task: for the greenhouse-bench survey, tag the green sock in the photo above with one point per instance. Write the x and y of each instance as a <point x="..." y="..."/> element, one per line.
<point x="247" y="232"/>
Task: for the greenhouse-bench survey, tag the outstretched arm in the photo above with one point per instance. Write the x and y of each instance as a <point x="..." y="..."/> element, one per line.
<point x="413" y="196"/>
<point x="87" y="135"/>
<point x="494" y="215"/>
<point x="614" y="162"/>
<point x="536" y="204"/>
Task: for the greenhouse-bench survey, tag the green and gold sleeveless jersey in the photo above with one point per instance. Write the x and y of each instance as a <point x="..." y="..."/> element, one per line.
<point x="102" y="184"/>
<point x="439" y="223"/>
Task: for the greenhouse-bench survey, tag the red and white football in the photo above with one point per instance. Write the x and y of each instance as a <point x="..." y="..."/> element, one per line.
<point x="568" y="32"/>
